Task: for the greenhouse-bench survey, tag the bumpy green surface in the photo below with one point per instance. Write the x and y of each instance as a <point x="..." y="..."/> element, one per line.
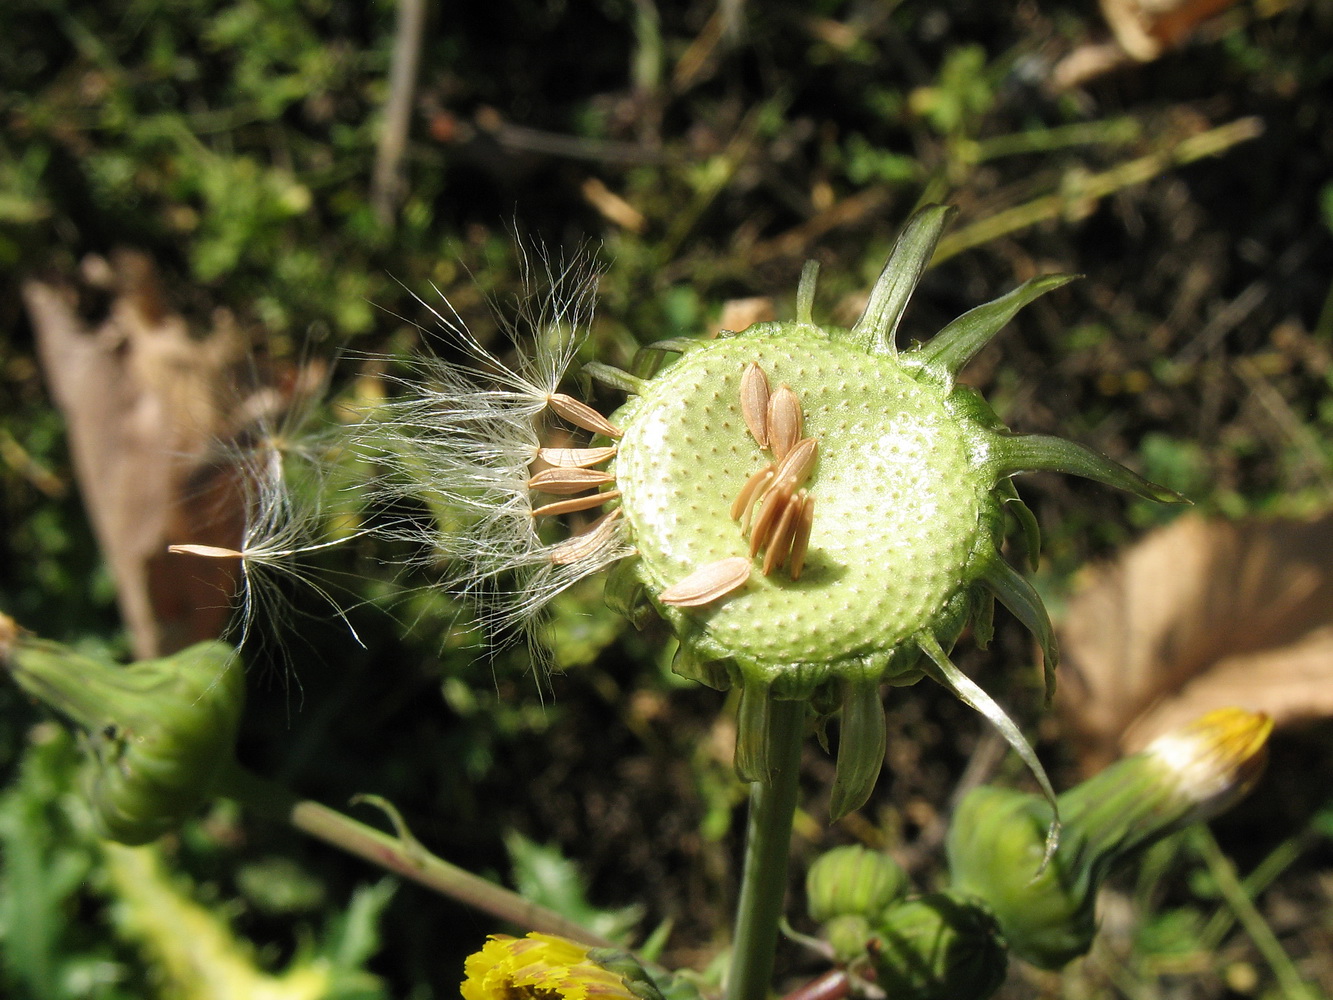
<point x="900" y="499"/>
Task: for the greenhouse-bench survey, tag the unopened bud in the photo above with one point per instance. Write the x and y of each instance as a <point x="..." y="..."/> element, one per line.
<point x="938" y="947"/>
<point x="849" y="937"/>
<point x="1216" y="759"/>
<point x="996" y="840"/>
<point x="160" y="731"/>
<point x="852" y="880"/>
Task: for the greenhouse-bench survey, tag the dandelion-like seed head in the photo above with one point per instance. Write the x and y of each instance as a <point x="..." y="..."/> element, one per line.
<point x="814" y="512"/>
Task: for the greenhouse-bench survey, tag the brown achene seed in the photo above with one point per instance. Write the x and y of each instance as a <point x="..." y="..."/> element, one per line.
<point x="576" y="504"/>
<point x="793" y="470"/>
<point x="800" y="544"/>
<point x="785" y="420"/>
<point x="560" y="481"/>
<point x="708" y="583"/>
<point x="575" y="458"/>
<point x="754" y="402"/>
<point x="775" y="502"/>
<point x="779" y="547"/>
<point x="207" y="551"/>
<point x="586" y="542"/>
<point x="750" y="492"/>
<point x="582" y="415"/>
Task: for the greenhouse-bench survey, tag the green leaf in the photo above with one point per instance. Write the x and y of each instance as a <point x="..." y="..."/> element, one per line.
<point x="909" y="259"/>
<point x="545" y="876"/>
<point x="958" y="343"/>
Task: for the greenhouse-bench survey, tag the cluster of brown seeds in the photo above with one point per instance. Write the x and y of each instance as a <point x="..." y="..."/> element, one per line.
<point x="570" y="471"/>
<point x="786" y="508"/>
<point x="773" y="506"/>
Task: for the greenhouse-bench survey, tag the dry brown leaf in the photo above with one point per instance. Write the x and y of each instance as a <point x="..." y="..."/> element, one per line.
<point x="146" y="402"/>
<point x="741" y="314"/>
<point x="1200" y="615"/>
<point x="1147" y="28"/>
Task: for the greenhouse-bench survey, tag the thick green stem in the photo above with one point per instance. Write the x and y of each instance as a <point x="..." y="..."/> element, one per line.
<point x="400" y="855"/>
<point x="767" y="847"/>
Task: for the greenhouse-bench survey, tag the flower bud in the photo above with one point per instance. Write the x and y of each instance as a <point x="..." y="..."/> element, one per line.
<point x="160" y="731"/>
<point x="852" y="880"/>
<point x="996" y="844"/>
<point x="849" y="936"/>
<point x="996" y="841"/>
<point x="938" y="947"/>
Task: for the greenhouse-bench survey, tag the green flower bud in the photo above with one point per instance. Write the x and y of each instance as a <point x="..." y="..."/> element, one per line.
<point x="160" y="732"/>
<point x="997" y="840"/>
<point x="849" y="936"/>
<point x="938" y="947"/>
<point x="852" y="880"/>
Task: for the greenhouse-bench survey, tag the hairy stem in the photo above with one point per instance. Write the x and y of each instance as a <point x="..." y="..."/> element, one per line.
<point x="400" y="855"/>
<point x="767" y="846"/>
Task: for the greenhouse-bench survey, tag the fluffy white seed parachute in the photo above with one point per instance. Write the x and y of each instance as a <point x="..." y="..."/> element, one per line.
<point x="275" y="465"/>
<point x="460" y="440"/>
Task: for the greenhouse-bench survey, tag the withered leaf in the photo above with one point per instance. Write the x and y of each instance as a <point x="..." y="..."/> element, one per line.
<point x="1202" y="614"/>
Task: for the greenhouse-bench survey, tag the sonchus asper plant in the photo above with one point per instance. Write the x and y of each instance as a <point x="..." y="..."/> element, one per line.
<point x="814" y="511"/>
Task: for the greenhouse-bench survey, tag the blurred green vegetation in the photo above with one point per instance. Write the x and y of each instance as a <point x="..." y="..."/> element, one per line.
<point x="235" y="141"/>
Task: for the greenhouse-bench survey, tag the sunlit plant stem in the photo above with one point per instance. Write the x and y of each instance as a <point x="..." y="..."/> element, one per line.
<point x="767" y="846"/>
<point x="398" y="854"/>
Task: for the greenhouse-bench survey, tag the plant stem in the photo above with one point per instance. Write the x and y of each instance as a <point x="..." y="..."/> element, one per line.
<point x="387" y="185"/>
<point x="1229" y="885"/>
<point x="401" y="855"/>
<point x="1079" y="192"/>
<point x="767" y="847"/>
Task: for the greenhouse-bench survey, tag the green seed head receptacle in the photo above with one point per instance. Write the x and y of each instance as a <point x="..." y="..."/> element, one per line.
<point x="820" y="574"/>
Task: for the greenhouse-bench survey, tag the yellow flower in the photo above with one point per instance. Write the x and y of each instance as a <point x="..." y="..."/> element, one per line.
<point x="538" y="967"/>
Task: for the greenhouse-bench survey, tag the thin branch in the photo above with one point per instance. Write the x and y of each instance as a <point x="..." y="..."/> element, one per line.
<point x="389" y="185"/>
<point x="401" y="855"/>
